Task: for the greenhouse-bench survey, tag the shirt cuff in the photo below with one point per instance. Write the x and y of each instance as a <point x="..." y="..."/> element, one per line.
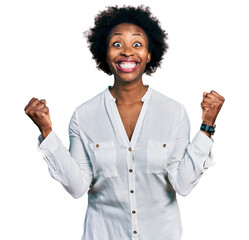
<point x="49" y="147"/>
<point x="201" y="148"/>
<point x="40" y="139"/>
<point x="46" y="145"/>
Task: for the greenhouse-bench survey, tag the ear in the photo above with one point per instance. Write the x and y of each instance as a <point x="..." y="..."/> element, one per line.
<point x="148" y="57"/>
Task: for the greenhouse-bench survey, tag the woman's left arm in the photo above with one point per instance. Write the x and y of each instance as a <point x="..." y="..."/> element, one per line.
<point x="190" y="160"/>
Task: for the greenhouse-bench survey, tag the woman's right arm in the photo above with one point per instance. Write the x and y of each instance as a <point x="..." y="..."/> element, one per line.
<point x="71" y="168"/>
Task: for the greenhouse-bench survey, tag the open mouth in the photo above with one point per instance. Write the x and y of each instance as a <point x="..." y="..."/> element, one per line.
<point x="127" y="66"/>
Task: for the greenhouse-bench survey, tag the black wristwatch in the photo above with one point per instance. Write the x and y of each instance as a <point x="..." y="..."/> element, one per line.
<point x="207" y="128"/>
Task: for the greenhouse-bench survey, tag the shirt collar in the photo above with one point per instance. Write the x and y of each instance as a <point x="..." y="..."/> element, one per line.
<point x="145" y="97"/>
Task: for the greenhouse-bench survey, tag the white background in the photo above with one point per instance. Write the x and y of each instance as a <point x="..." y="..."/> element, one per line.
<point x="43" y="54"/>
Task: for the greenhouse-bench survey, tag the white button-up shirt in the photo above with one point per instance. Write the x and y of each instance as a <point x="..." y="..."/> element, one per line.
<point x="131" y="185"/>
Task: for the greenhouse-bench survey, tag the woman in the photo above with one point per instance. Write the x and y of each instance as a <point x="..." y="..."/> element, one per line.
<point x="129" y="145"/>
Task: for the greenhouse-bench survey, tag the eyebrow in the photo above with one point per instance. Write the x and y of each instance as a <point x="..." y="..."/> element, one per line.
<point x="135" y="34"/>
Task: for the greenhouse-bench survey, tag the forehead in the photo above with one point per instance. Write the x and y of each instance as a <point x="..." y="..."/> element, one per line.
<point x="127" y="29"/>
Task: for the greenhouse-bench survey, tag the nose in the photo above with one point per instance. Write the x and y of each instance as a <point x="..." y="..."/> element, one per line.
<point x="127" y="51"/>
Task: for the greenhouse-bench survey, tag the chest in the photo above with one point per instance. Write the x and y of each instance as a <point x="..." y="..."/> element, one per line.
<point x="129" y="115"/>
<point x="151" y="139"/>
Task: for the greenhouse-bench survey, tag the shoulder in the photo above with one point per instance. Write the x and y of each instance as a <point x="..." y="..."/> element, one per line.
<point x="91" y="104"/>
<point x="159" y="100"/>
<point x="90" y="109"/>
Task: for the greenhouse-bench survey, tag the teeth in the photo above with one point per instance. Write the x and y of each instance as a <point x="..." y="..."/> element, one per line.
<point x="127" y="64"/>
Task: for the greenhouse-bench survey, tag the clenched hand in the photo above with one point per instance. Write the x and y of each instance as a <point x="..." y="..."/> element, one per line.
<point x="211" y="105"/>
<point x="39" y="114"/>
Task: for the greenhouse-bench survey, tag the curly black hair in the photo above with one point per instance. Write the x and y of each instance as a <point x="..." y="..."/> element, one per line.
<point x="140" y="16"/>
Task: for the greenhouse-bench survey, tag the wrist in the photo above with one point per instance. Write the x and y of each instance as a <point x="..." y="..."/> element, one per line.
<point x="45" y="132"/>
<point x="206" y="122"/>
<point x="207" y="129"/>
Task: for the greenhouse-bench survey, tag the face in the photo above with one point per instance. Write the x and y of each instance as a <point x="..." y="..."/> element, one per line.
<point x="127" y="52"/>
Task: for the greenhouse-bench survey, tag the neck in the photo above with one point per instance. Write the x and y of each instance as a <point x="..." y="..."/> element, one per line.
<point x="128" y="93"/>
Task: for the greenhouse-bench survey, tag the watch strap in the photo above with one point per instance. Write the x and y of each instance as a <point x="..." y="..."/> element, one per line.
<point x="207" y="128"/>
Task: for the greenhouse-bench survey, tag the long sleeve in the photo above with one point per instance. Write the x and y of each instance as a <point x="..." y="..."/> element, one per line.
<point x="72" y="168"/>
<point x="135" y="180"/>
<point x="189" y="160"/>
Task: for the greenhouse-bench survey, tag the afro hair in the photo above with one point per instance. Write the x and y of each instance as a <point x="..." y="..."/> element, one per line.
<point x="113" y="16"/>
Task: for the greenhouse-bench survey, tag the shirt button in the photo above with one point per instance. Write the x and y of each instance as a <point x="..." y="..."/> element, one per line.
<point x="97" y="145"/>
<point x="130" y="170"/>
<point x="133" y="212"/>
<point x="132" y="191"/>
<point x="164" y="145"/>
<point x="135" y="232"/>
<point x="130" y="149"/>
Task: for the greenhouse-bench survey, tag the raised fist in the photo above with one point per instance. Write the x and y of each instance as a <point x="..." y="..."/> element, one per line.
<point x="39" y="114"/>
<point x="211" y="105"/>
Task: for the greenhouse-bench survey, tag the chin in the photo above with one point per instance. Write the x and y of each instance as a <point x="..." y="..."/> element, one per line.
<point x="127" y="79"/>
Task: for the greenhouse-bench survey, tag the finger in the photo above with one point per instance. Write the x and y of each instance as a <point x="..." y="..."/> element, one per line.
<point x="206" y="106"/>
<point x="204" y="94"/>
<point x="210" y="96"/>
<point x="43" y="101"/>
<point x="217" y="95"/>
<point x="42" y="112"/>
<point x="212" y="101"/>
<point x="30" y="102"/>
<point x="32" y="111"/>
<point x="38" y="112"/>
<point x="32" y="105"/>
<point x="45" y="109"/>
<point x="40" y="105"/>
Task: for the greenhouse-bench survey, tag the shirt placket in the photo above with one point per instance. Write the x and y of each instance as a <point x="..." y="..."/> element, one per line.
<point x="130" y="145"/>
<point x="132" y="192"/>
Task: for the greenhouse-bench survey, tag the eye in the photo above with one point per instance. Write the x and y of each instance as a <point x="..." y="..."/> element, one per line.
<point x="117" y="44"/>
<point x="137" y="44"/>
